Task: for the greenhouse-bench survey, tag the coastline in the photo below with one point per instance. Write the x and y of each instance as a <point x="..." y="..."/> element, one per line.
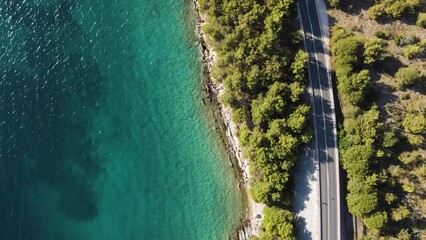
<point x="253" y="211"/>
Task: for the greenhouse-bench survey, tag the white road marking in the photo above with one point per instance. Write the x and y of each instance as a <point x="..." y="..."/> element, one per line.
<point x="333" y="115"/>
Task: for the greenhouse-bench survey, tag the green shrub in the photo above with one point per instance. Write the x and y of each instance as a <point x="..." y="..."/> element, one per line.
<point x="404" y="234"/>
<point x="421" y="20"/>
<point x="390" y="198"/>
<point x="392" y="8"/>
<point x="414" y="123"/>
<point x="389" y="139"/>
<point x="382" y="34"/>
<point x="374" y="51"/>
<point x="375" y="12"/>
<point x="334" y="3"/>
<point x="415" y="140"/>
<point x="397" y="39"/>
<point x="376" y="221"/>
<point x="299" y="66"/>
<point x="400" y="213"/>
<point x="277" y="224"/>
<point x="414" y="51"/>
<point x="238" y="115"/>
<point x="362" y="203"/>
<point x="407" y="76"/>
<point x="410" y="157"/>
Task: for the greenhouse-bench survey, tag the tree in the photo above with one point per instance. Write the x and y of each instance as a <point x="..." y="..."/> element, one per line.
<point x="421" y="20"/>
<point x="407" y="76"/>
<point x="297" y="120"/>
<point x="404" y="234"/>
<point x="260" y="191"/>
<point x="410" y="157"/>
<point x="272" y="104"/>
<point x="348" y="51"/>
<point x="415" y="140"/>
<point x="376" y="220"/>
<point x="414" y="123"/>
<point x="299" y="66"/>
<point x="389" y="139"/>
<point x="362" y="203"/>
<point x="400" y="213"/>
<point x="414" y="51"/>
<point x="390" y="198"/>
<point x="374" y="51"/>
<point x="356" y="159"/>
<point x="277" y="224"/>
<point x="361" y="80"/>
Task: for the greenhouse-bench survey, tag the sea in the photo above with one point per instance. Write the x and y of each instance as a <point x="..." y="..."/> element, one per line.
<point x="103" y="131"/>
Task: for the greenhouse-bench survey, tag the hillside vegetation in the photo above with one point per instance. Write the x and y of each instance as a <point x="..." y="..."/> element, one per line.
<point x="379" y="62"/>
<point x="264" y="73"/>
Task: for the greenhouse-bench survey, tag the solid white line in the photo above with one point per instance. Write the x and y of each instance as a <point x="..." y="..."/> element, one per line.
<point x="323" y="118"/>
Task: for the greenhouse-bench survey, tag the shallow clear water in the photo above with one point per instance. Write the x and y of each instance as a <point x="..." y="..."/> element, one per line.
<point x="103" y="134"/>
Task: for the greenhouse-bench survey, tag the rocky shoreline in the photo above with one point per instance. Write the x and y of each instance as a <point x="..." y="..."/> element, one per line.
<point x="254" y="211"/>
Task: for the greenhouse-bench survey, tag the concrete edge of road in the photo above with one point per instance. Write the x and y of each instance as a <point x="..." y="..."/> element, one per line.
<point x="311" y="93"/>
<point x="325" y="33"/>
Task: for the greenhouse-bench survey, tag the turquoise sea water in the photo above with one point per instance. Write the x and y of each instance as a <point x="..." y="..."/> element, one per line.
<point x="103" y="134"/>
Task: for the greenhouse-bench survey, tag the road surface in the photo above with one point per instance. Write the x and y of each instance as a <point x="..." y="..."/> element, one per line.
<point x="324" y="116"/>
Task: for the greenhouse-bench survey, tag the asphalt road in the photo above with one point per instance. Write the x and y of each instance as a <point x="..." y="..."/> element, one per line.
<point x="324" y="120"/>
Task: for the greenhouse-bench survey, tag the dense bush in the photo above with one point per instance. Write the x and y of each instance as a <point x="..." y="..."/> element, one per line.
<point x="374" y="51"/>
<point x="414" y="123"/>
<point x="277" y="224"/>
<point x="264" y="73"/>
<point x="382" y="34"/>
<point x="393" y="8"/>
<point x="415" y="51"/>
<point x="376" y="221"/>
<point x="407" y="76"/>
<point x="421" y="20"/>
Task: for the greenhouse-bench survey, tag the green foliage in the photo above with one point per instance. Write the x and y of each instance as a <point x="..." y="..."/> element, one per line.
<point x="415" y="140"/>
<point x="389" y="139"/>
<point x="382" y="34"/>
<point x="414" y="123"/>
<point x="414" y="51"/>
<point x="297" y="120"/>
<point x="362" y="203"/>
<point x="404" y="234"/>
<point x="348" y="51"/>
<point x="421" y="20"/>
<point x="393" y="8"/>
<point x="334" y="3"/>
<point x="239" y="115"/>
<point x="299" y="66"/>
<point x="356" y="159"/>
<point x="264" y="76"/>
<point x="410" y="157"/>
<point x="376" y="221"/>
<point x="277" y="224"/>
<point x="260" y="191"/>
<point x="407" y="76"/>
<point x="397" y="39"/>
<point x="264" y="108"/>
<point x="400" y="213"/>
<point x="390" y="198"/>
<point x="374" y="51"/>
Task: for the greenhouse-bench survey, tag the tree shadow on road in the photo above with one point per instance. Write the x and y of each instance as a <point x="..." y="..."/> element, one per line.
<point x="304" y="178"/>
